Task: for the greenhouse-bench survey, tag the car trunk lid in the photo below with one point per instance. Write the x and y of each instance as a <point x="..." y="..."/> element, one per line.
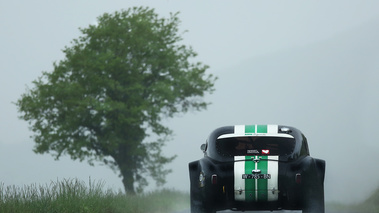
<point x="256" y="178"/>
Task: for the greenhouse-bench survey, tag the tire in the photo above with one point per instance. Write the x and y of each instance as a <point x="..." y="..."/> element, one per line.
<point x="198" y="206"/>
<point x="314" y="199"/>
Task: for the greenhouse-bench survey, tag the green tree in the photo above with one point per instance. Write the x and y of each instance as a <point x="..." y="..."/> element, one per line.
<point x="117" y="82"/>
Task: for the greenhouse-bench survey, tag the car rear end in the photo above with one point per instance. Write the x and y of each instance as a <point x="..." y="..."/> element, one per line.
<point x="255" y="167"/>
<point x="259" y="154"/>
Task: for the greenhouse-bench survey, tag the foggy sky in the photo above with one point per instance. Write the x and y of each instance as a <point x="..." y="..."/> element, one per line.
<point x="309" y="64"/>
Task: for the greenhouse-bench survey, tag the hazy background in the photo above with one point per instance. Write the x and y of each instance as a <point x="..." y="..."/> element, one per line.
<point x="310" y="64"/>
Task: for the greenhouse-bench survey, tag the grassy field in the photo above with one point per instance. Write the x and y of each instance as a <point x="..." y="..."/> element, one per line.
<point x="76" y="196"/>
<point x="73" y="195"/>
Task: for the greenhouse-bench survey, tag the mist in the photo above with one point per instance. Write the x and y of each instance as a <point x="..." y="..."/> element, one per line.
<point x="327" y="89"/>
<point x="312" y="65"/>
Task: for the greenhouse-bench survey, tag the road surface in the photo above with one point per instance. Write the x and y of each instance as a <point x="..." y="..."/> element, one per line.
<point x="283" y="211"/>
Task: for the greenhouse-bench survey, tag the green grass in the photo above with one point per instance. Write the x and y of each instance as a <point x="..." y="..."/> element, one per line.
<point x="75" y="196"/>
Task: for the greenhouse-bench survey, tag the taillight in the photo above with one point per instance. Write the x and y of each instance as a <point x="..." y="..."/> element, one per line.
<point x="214" y="179"/>
<point x="298" y="178"/>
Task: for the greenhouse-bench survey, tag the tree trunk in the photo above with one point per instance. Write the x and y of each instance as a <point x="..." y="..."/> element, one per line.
<point x="125" y="157"/>
<point x="127" y="177"/>
<point x="127" y="168"/>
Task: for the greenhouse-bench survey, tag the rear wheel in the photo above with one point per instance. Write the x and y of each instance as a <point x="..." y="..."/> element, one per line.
<point x="198" y="205"/>
<point x="314" y="199"/>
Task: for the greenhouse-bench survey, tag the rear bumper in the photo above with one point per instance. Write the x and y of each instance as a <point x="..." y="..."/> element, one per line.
<point x="221" y="193"/>
<point x="222" y="198"/>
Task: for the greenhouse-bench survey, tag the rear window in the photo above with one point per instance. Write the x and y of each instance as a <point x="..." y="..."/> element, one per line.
<point x="243" y="146"/>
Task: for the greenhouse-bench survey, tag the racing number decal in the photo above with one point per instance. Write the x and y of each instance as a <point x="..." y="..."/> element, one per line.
<point x="256" y="189"/>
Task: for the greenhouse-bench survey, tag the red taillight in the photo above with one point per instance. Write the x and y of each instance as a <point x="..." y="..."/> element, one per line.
<point x="214" y="179"/>
<point x="298" y="178"/>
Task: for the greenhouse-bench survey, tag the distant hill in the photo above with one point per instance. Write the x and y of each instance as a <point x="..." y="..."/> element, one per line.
<point x="370" y="205"/>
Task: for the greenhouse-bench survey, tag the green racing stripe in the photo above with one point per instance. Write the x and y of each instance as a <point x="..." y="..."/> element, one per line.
<point x="262" y="183"/>
<point x="249" y="129"/>
<point x="249" y="183"/>
<point x="261" y="128"/>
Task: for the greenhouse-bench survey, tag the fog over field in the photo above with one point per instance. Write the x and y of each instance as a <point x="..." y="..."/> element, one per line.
<point x="308" y="64"/>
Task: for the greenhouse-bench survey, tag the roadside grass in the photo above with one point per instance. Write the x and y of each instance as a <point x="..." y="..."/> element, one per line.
<point x="73" y="195"/>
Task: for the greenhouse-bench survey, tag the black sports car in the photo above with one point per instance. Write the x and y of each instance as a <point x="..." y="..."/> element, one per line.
<point x="257" y="167"/>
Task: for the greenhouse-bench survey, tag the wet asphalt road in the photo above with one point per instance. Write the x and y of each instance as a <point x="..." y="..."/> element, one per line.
<point x="283" y="211"/>
<point x="227" y="211"/>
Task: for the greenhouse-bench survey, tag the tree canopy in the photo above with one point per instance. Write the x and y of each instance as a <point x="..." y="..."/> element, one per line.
<point x="117" y="82"/>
